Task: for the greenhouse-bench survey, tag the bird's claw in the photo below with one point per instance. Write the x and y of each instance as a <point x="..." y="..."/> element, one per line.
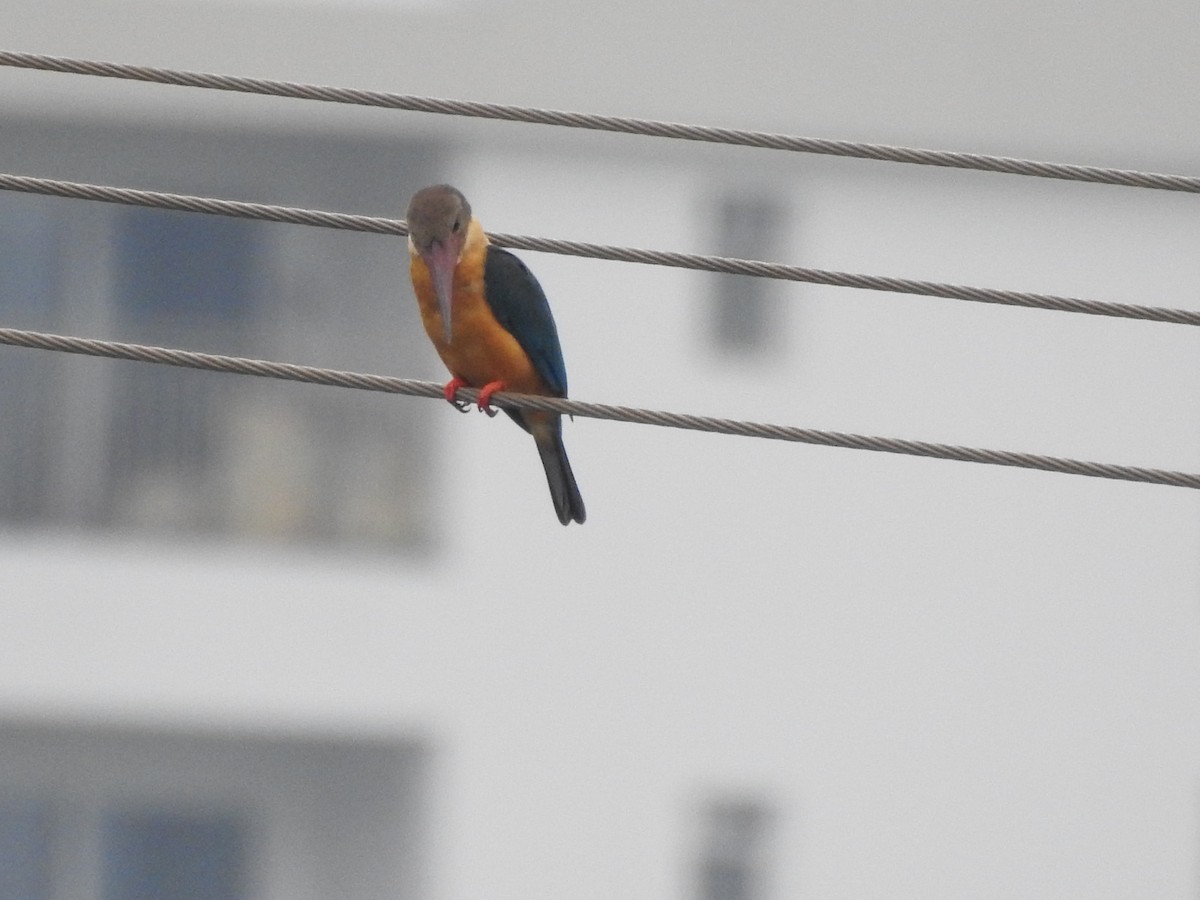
<point x="485" y="397"/>
<point x="451" y="389"/>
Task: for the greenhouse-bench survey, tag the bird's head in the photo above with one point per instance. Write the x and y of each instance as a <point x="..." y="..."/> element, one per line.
<point x="438" y="219"/>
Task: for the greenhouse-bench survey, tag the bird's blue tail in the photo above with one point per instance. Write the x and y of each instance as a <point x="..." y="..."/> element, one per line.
<point x="563" y="490"/>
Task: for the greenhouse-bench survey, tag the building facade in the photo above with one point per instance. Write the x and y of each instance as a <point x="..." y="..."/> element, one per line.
<point x="268" y="640"/>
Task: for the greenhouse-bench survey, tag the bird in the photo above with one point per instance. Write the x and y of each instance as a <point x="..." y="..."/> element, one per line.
<point x="490" y="322"/>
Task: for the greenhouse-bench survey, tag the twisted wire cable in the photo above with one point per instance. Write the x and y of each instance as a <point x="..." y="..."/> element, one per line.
<point x="620" y="124"/>
<point x="359" y="381"/>
<point x="702" y="262"/>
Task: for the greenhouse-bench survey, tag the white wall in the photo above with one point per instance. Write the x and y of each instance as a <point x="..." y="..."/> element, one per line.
<point x="950" y="679"/>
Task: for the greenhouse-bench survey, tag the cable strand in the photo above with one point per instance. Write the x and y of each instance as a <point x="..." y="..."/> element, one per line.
<point x="619" y="124"/>
<point x="696" y="261"/>
<point x="359" y="381"/>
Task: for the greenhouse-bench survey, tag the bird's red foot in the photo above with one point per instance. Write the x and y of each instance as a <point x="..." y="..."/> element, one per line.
<point x="485" y="396"/>
<point x="451" y="389"/>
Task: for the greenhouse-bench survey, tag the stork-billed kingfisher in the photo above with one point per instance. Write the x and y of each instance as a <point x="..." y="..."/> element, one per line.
<point x="490" y="322"/>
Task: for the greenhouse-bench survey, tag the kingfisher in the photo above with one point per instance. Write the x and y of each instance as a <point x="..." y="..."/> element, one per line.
<point x="490" y="322"/>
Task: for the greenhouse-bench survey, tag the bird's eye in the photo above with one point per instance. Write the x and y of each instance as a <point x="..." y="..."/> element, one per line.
<point x="457" y="226"/>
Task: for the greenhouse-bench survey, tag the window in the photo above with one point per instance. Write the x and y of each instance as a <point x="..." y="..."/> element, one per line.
<point x="158" y="450"/>
<point x="179" y="277"/>
<point x="147" y="854"/>
<point x="118" y="814"/>
<point x="731" y="854"/>
<point x="25" y="850"/>
<point x="745" y="311"/>
<point x="29" y="298"/>
<point x="178" y="854"/>
<point x="183" y="265"/>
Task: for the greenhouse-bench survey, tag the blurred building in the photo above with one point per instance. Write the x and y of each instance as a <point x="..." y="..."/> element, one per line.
<point x="263" y="640"/>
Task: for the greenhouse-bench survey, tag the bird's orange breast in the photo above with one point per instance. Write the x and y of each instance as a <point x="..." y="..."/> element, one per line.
<point x="480" y="350"/>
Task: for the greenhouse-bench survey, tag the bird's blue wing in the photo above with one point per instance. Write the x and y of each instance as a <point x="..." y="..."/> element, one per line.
<point x="520" y="306"/>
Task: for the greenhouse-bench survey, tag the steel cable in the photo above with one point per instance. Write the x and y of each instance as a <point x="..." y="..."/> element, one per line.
<point x="702" y="262"/>
<point x="620" y="124"/>
<point x="356" y="380"/>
